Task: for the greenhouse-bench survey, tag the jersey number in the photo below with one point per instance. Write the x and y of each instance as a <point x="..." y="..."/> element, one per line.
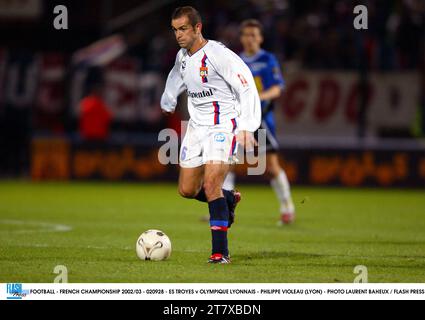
<point x="243" y="80"/>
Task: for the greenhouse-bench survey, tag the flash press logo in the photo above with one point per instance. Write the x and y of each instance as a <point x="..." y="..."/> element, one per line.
<point x="14" y="291"/>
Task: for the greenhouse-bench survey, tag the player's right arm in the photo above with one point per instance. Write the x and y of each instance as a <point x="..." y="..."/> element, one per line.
<point x="173" y="88"/>
<point x="272" y="93"/>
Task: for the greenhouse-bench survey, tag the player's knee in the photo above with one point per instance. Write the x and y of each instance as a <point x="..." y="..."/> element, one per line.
<point x="186" y="192"/>
<point x="273" y="170"/>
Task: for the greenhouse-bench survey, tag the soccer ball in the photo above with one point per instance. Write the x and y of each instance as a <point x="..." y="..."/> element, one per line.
<point x="153" y="245"/>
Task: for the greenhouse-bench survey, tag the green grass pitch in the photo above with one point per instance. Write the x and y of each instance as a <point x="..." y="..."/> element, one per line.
<point x="336" y="230"/>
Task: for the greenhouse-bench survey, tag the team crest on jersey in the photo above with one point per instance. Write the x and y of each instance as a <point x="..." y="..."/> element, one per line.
<point x="203" y="70"/>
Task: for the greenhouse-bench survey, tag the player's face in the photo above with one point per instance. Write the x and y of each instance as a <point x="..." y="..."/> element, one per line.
<point x="184" y="32"/>
<point x="251" y="39"/>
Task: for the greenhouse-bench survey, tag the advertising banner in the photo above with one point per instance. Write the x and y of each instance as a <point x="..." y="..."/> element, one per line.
<point x="326" y="104"/>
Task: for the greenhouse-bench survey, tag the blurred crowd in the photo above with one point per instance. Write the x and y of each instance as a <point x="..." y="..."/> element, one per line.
<point x="314" y="34"/>
<point x="302" y="33"/>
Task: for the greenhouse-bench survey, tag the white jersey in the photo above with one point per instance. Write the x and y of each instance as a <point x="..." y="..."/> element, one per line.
<point x="219" y="86"/>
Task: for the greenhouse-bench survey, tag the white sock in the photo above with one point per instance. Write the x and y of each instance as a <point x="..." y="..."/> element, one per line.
<point x="229" y="181"/>
<point x="280" y="185"/>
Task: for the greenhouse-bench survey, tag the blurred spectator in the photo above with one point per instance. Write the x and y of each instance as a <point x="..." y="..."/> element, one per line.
<point x="95" y="117"/>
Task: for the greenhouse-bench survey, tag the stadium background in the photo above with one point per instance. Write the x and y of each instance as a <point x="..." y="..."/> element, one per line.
<point x="352" y="115"/>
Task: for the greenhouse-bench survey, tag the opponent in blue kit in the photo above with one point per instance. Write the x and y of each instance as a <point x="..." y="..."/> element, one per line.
<point x="269" y="81"/>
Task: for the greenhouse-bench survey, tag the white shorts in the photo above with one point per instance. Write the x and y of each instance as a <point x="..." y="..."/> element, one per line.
<point x="208" y="143"/>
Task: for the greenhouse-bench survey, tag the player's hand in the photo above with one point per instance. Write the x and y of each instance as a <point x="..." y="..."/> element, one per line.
<point x="246" y="139"/>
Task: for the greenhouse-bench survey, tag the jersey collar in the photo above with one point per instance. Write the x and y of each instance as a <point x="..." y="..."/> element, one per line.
<point x="190" y="55"/>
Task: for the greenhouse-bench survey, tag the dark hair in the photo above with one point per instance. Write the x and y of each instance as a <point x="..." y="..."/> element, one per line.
<point x="251" y="23"/>
<point x="190" y="12"/>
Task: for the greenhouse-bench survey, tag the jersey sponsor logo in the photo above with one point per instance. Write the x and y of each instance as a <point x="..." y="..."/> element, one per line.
<point x="202" y="94"/>
<point x="219" y="137"/>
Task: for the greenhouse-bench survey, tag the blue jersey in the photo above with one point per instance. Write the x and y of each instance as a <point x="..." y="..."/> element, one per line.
<point x="266" y="71"/>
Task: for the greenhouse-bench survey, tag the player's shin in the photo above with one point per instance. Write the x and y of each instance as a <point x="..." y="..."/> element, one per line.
<point x="281" y="187"/>
<point x="219" y="219"/>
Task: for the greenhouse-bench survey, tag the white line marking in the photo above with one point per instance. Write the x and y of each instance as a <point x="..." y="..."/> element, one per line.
<point x="40" y="226"/>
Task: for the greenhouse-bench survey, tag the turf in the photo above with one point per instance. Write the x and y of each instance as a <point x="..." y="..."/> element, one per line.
<point x="336" y="229"/>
